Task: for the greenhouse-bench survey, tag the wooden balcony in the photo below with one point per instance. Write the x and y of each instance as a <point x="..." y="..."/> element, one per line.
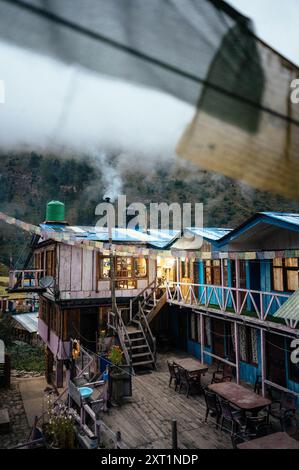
<point x="25" y="280"/>
<point x="220" y="299"/>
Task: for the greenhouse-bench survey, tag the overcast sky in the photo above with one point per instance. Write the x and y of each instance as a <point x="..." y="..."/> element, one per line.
<point x="276" y="23"/>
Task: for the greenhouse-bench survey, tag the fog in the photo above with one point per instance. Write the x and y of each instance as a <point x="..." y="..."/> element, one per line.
<point x="70" y="110"/>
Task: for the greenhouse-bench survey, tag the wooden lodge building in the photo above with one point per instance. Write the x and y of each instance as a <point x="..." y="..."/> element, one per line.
<point x="219" y="294"/>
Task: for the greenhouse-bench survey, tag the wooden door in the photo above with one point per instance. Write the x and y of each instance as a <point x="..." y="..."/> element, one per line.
<point x="275" y="359"/>
<point x="218" y="337"/>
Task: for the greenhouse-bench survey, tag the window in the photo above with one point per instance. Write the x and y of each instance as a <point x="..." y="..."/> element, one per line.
<point x="194" y="328"/>
<point x="225" y="272"/>
<point x="127" y="270"/>
<point x="213" y="272"/>
<point x="105" y="268"/>
<point x="248" y="344"/>
<point x="140" y="266"/>
<point x="50" y="263"/>
<point x="185" y="267"/>
<point x="39" y="260"/>
<point x="285" y="275"/>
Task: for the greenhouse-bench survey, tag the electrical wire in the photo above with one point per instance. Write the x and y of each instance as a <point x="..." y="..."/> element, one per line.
<point x="143" y="56"/>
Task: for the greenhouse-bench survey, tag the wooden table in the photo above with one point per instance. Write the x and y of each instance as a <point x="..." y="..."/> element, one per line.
<point x="240" y="396"/>
<point x="277" y="440"/>
<point x="191" y="365"/>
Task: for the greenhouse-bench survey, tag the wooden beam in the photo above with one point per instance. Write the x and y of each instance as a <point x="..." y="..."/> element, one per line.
<point x="263" y="361"/>
<point x="237" y="266"/>
<point x="237" y="351"/>
<point x="202" y="337"/>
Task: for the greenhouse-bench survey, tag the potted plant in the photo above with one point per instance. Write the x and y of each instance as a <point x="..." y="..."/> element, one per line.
<point x="116" y="374"/>
<point x="60" y="430"/>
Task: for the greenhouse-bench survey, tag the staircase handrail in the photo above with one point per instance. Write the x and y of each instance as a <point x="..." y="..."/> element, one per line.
<point x="148" y="329"/>
<point x="152" y="286"/>
<point x="122" y="332"/>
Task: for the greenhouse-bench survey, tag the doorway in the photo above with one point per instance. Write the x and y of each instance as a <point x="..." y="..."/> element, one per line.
<point x="275" y="357"/>
<point x="218" y="335"/>
<point x="89" y="323"/>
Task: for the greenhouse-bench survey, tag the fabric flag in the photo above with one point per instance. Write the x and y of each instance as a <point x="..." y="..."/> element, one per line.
<point x="202" y="52"/>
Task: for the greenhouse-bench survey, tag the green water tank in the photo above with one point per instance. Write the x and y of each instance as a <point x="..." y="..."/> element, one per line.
<point x="55" y="212"/>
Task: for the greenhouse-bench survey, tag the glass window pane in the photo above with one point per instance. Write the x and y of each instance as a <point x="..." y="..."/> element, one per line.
<point x="140" y="267"/>
<point x="292" y="280"/>
<point x="277" y="262"/>
<point x="208" y="275"/>
<point x="278" y="279"/>
<point x="291" y="262"/>
<point x="105" y="268"/>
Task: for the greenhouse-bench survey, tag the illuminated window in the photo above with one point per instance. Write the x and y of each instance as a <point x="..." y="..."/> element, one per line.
<point x="140" y="267"/>
<point x="213" y="272"/>
<point x="127" y="270"/>
<point x="105" y="268"/>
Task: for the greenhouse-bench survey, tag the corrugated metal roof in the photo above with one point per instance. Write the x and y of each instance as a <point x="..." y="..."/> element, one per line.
<point x="162" y="238"/>
<point x="157" y="238"/>
<point x="290" y="218"/>
<point x="28" y="321"/>
<point x="290" y="309"/>
<point x="209" y="233"/>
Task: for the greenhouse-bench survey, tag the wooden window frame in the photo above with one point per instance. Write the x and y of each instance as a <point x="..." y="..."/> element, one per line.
<point x="213" y="267"/>
<point x="248" y="347"/>
<point x="122" y="279"/>
<point x="285" y="270"/>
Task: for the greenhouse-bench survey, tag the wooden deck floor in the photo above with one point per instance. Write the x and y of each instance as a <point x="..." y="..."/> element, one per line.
<point x="145" y="421"/>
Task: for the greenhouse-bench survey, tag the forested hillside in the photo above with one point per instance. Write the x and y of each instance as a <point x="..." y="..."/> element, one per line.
<point x="28" y="181"/>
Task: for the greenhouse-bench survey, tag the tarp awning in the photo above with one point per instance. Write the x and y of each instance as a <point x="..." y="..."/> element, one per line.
<point x="290" y="309"/>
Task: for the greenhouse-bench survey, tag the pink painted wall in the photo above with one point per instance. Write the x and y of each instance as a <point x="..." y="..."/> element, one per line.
<point x="60" y="349"/>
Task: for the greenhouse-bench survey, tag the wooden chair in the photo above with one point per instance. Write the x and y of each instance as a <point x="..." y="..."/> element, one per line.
<point x="188" y="381"/>
<point x="173" y="375"/>
<point x="223" y="374"/>
<point x="213" y="406"/>
<point x="235" y="418"/>
<point x="283" y="409"/>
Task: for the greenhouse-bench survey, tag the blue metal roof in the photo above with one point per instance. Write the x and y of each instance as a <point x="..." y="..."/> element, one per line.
<point x="209" y="233"/>
<point x="287" y="217"/>
<point x="157" y="238"/>
<point x="286" y="220"/>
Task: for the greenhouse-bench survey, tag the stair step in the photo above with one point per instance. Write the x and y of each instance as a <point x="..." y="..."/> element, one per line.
<point x="142" y="363"/>
<point x="140" y="346"/>
<point x="131" y="330"/>
<point x="135" y="339"/>
<point x="141" y="354"/>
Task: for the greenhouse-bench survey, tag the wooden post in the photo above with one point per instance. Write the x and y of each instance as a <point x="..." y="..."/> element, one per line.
<point x="59" y="374"/>
<point x="174" y="434"/>
<point x="263" y="361"/>
<point x="237" y="349"/>
<point x="178" y="274"/>
<point x="202" y="337"/>
<point x="222" y="283"/>
<point x="237" y="264"/>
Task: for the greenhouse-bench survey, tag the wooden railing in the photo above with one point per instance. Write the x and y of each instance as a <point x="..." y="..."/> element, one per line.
<point x="226" y="299"/>
<point x="25" y="278"/>
<point x="115" y="321"/>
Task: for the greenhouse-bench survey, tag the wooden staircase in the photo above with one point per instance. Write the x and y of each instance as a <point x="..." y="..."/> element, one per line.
<point x="136" y="337"/>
